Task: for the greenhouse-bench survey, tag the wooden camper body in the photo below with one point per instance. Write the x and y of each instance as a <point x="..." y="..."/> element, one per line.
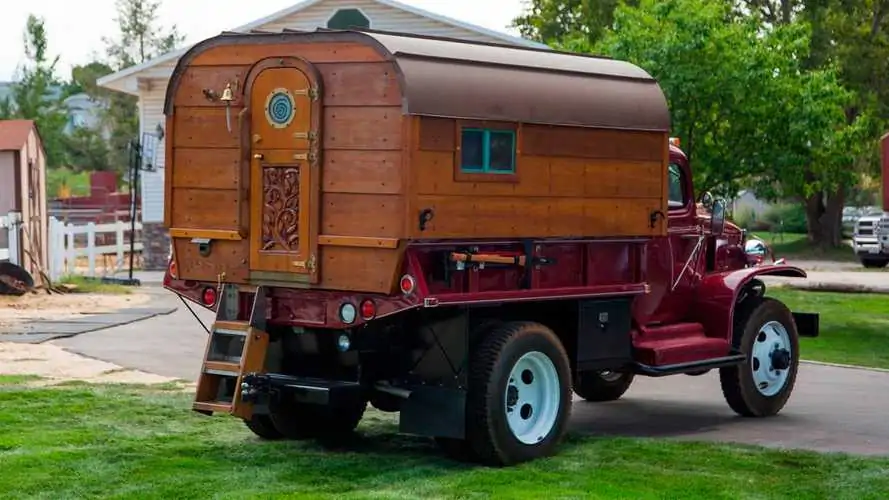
<point x="331" y="194"/>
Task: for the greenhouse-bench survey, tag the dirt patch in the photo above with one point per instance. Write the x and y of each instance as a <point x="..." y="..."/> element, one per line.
<point x="55" y="365"/>
<point x="43" y="307"/>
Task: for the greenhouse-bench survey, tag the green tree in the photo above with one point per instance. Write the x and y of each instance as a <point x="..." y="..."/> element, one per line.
<point x="86" y="146"/>
<point x="726" y="82"/>
<point x="87" y="150"/>
<point x="34" y="95"/>
<point x="139" y="39"/>
<point x="756" y="94"/>
<point x="83" y="80"/>
<point x="848" y="40"/>
<point x="551" y="21"/>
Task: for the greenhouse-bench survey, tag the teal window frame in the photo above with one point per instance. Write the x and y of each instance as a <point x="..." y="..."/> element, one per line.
<point x="485" y="167"/>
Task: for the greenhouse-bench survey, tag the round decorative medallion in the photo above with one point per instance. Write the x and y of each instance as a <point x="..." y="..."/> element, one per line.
<point x="280" y="108"/>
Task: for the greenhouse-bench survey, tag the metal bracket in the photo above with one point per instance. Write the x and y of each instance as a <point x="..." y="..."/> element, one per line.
<point x="203" y="245"/>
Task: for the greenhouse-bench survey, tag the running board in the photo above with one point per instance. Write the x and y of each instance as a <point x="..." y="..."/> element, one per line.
<point x="735" y="358"/>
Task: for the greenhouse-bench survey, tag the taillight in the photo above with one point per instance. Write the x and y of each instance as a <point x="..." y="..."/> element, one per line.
<point x="174" y="271"/>
<point x="407" y="284"/>
<point x="368" y="310"/>
<point x="209" y="296"/>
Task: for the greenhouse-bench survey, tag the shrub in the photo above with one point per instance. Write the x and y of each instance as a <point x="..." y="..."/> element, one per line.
<point x="787" y="218"/>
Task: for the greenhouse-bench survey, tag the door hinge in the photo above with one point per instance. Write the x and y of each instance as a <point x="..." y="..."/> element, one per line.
<point x="312" y="92"/>
<point x="306" y="264"/>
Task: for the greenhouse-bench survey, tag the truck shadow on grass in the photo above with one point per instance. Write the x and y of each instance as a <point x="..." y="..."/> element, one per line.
<point x="378" y="432"/>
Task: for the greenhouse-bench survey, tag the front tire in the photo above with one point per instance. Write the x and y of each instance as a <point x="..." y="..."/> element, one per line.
<point x="519" y="395"/>
<point x="598" y="386"/>
<point x="766" y="333"/>
<point x="874" y="263"/>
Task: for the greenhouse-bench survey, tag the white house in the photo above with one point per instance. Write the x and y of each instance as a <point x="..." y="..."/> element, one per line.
<point x="148" y="81"/>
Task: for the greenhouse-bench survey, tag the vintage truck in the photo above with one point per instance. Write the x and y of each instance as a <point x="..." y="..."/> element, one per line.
<point x="464" y="233"/>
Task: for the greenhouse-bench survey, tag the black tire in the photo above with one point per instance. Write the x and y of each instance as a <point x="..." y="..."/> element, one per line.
<point x="487" y="427"/>
<point x="737" y="382"/>
<point x="874" y="263"/>
<point x="299" y="421"/>
<point x="262" y="426"/>
<point x="597" y="387"/>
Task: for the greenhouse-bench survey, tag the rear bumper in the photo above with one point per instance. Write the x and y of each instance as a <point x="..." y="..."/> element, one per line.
<point x="258" y="388"/>
<point x="864" y="247"/>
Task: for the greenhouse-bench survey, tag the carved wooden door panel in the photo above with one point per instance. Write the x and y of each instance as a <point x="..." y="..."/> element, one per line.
<point x="284" y="176"/>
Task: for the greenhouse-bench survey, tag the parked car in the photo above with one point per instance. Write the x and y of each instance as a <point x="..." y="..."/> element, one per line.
<point x="866" y="240"/>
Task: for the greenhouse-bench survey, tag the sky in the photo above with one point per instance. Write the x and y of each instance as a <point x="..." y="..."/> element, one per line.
<point x="76" y="29"/>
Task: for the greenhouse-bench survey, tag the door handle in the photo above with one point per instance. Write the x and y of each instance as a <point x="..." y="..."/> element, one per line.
<point x="258" y="156"/>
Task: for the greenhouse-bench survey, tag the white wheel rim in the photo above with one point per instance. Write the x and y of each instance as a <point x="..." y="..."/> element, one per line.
<point x="769" y="342"/>
<point x="532" y="397"/>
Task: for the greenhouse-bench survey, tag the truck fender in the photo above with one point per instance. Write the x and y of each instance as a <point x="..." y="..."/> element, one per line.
<point x="717" y="295"/>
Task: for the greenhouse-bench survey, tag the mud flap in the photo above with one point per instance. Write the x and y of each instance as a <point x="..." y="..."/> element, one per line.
<point x="434" y="412"/>
<point x="807" y="324"/>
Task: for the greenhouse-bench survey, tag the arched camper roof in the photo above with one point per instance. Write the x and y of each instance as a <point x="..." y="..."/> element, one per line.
<point x="483" y="81"/>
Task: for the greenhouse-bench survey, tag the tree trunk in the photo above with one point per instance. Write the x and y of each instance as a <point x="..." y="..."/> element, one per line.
<point x="824" y="218"/>
<point x="832" y="219"/>
<point x="814" y="211"/>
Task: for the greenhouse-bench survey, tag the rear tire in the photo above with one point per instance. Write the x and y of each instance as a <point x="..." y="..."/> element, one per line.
<point x="519" y="395"/>
<point x="262" y="426"/>
<point x="766" y="333"/>
<point x="299" y="421"/>
<point x="598" y="386"/>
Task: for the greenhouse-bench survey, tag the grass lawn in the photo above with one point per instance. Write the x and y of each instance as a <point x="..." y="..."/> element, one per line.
<point x="795" y="246"/>
<point x="854" y="327"/>
<point x="80" y="284"/>
<point x="81" y="441"/>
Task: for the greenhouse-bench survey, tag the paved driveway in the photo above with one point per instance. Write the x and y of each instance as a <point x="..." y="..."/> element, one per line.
<point x="831" y="409"/>
<point x="837" y="409"/>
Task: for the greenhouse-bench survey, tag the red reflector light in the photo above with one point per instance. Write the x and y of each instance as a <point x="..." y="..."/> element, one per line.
<point x="174" y="271"/>
<point x="368" y="309"/>
<point x="407" y="284"/>
<point x="209" y="296"/>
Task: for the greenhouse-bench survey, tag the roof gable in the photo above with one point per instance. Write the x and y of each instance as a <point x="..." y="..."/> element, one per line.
<point x="14" y="134"/>
<point x="395" y="4"/>
<point x="171" y="57"/>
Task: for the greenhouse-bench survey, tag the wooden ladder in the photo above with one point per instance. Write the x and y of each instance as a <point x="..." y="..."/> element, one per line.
<point x="235" y="348"/>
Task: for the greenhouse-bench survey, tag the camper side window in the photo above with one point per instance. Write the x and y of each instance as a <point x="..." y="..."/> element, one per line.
<point x="489" y="151"/>
<point x="677" y="191"/>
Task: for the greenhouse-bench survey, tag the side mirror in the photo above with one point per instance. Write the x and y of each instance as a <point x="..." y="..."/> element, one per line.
<point x="717" y="218"/>
<point x="706" y="200"/>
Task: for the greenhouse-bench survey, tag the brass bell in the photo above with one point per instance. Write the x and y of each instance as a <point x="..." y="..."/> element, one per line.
<point x="227" y="93"/>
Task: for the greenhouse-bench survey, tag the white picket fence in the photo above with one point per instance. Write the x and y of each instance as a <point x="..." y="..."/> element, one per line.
<point x="10" y="249"/>
<point x="70" y="243"/>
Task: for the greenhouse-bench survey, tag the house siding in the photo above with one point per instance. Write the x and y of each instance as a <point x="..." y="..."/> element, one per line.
<point x="7" y="191"/>
<point x="382" y="17"/>
<point x="7" y="183"/>
<point x="152" y="114"/>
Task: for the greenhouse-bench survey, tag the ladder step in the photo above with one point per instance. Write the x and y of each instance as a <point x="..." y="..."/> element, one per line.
<point x="212" y="406"/>
<point x="231" y="327"/>
<point x="222" y="368"/>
